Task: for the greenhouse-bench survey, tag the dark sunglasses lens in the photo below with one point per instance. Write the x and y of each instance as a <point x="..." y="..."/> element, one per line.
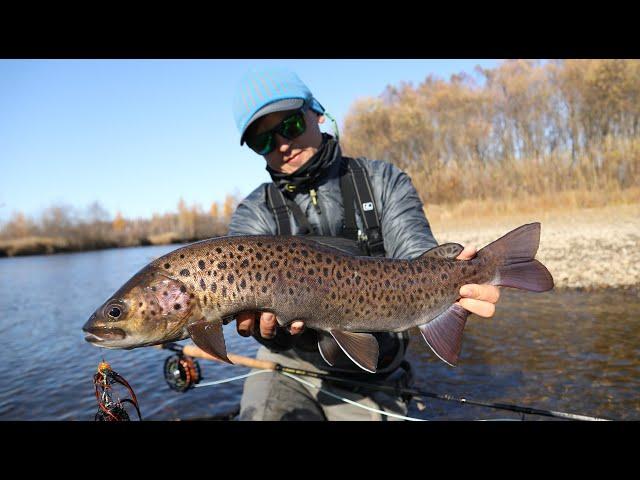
<point x="262" y="144"/>
<point x="293" y="126"/>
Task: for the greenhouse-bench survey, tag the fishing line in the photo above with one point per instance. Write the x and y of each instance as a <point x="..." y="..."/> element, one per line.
<point x="382" y="412"/>
<point x="225" y="380"/>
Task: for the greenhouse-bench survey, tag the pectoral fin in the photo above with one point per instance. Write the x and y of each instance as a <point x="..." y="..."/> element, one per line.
<point x="443" y="334"/>
<point x="361" y="348"/>
<point x="208" y="335"/>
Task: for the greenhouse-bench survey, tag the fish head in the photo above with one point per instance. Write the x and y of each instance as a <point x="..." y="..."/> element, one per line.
<point x="151" y="308"/>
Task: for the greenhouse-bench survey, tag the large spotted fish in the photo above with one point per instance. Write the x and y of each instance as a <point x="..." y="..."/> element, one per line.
<point x="194" y="289"/>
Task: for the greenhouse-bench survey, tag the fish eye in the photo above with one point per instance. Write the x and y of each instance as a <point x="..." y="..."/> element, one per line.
<point x="114" y="311"/>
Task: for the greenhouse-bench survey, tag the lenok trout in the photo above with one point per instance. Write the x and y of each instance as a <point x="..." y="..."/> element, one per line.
<point x="194" y="289"/>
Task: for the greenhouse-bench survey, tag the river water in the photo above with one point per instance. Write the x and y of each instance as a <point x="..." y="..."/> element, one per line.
<point x="567" y="351"/>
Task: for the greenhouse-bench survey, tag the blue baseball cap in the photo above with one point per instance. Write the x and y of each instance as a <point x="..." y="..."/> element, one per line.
<point x="268" y="90"/>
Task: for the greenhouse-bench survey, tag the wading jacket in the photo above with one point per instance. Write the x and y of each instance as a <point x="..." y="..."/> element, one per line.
<point x="405" y="231"/>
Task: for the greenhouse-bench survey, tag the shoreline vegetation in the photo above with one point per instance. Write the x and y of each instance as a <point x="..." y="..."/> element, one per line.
<point x="556" y="142"/>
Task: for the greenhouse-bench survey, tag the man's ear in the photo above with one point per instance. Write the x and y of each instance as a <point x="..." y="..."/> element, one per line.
<point x="321" y="118"/>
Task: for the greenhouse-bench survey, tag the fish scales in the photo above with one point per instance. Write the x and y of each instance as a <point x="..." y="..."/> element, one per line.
<point x="299" y="279"/>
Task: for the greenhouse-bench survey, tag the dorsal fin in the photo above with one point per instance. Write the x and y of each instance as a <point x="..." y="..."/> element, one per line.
<point x="449" y="251"/>
<point x="361" y="348"/>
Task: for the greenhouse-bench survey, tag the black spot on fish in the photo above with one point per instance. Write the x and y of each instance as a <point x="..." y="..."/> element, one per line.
<point x="230" y="254"/>
<point x="219" y="250"/>
<point x="304" y="253"/>
<point x="140" y="304"/>
<point x="387" y="283"/>
<point x="209" y="273"/>
<point x="279" y="248"/>
<point x="346" y="312"/>
<point x="291" y="291"/>
<point x="167" y="265"/>
<point x="222" y="265"/>
<point x="444" y="276"/>
<point x="211" y="261"/>
<point x="230" y="278"/>
<point x="358" y="280"/>
<point x="289" y="275"/>
<point x="274" y="264"/>
<point x="183" y="289"/>
<point x="319" y="257"/>
<point x="243" y="283"/>
<point x="311" y="271"/>
<point x="419" y="269"/>
<point x="273" y="279"/>
<point x="325" y="271"/>
<point x="201" y="264"/>
<point x="245" y="263"/>
<point x="240" y="248"/>
<point x="296" y="260"/>
<point x="184" y="272"/>
<point x="361" y="299"/>
<point x="214" y="287"/>
<point x="153" y="312"/>
<point x="224" y="291"/>
<point x="202" y="284"/>
<point x="165" y="293"/>
<point x="339" y="275"/>
<point x="258" y="256"/>
<point x="258" y="276"/>
<point x="264" y="289"/>
<point x="333" y="295"/>
<point x="327" y="260"/>
<point x="177" y="306"/>
<point x="260" y="244"/>
<point x="182" y="255"/>
<point x="348" y="281"/>
<point x="464" y="270"/>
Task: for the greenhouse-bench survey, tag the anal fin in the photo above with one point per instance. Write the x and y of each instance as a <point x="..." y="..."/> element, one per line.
<point x="443" y="334"/>
<point x="207" y="335"/>
<point x="361" y="348"/>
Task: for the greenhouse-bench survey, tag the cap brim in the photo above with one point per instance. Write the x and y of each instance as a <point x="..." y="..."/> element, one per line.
<point x="278" y="106"/>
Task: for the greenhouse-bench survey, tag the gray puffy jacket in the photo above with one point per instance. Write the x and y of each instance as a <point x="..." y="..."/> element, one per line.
<point x="405" y="229"/>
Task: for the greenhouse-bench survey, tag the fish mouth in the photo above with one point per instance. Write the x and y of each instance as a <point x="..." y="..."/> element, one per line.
<point x="101" y="334"/>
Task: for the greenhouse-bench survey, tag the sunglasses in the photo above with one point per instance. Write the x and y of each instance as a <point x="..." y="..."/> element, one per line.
<point x="291" y="127"/>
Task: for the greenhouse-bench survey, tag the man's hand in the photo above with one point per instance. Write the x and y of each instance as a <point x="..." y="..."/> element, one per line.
<point x="267" y="324"/>
<point x="478" y="299"/>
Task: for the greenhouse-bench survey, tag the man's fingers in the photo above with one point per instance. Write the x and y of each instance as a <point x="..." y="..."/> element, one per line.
<point x="268" y="325"/>
<point x="487" y="293"/>
<point x="244" y="323"/>
<point x="296" y="327"/>
<point x="483" y="309"/>
<point x="467" y="253"/>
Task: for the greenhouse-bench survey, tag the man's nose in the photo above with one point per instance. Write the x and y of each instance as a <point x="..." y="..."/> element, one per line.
<point x="283" y="144"/>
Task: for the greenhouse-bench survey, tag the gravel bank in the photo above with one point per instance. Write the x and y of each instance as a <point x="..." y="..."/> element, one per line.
<point x="585" y="248"/>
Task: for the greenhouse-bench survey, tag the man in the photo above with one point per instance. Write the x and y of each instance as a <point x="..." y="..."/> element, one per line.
<point x="279" y="119"/>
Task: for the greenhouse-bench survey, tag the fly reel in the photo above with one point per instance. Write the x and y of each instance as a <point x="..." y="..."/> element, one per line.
<point x="181" y="372"/>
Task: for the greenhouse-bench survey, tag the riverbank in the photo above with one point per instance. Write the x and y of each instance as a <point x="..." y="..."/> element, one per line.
<point x="582" y="247"/>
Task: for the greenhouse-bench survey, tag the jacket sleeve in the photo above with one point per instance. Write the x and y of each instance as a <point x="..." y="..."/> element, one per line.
<point x="252" y="217"/>
<point x="405" y="229"/>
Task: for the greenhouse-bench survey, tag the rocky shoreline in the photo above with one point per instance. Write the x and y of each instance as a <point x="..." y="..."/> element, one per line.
<point x="584" y="249"/>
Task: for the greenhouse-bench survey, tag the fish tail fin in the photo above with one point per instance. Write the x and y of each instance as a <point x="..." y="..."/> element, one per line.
<point x="517" y="266"/>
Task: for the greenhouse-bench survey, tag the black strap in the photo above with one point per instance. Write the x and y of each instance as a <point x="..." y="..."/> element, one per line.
<point x="363" y="196"/>
<point x="279" y="203"/>
<point x="350" y="229"/>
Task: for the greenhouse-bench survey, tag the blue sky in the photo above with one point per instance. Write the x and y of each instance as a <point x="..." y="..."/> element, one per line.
<point x="136" y="135"/>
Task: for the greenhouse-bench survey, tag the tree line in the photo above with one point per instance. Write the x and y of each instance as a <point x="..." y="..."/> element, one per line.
<point x="525" y="128"/>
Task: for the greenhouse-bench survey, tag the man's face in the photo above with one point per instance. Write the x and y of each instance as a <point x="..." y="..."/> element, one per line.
<point x="289" y="155"/>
